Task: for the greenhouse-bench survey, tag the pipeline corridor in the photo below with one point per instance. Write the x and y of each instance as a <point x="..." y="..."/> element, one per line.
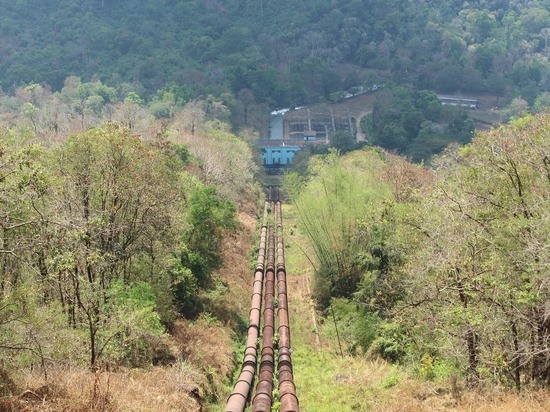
<point x="275" y="353"/>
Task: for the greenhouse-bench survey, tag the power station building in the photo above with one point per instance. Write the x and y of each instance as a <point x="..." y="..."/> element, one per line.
<point x="288" y="134"/>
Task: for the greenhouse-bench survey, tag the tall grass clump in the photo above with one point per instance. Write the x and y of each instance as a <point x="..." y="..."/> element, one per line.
<point x="342" y="191"/>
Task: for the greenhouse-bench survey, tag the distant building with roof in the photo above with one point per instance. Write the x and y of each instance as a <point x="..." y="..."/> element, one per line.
<point x="464" y="102"/>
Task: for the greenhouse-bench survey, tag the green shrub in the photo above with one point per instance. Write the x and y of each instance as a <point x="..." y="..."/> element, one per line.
<point x="390" y="381"/>
<point x="134" y="330"/>
<point x="435" y="369"/>
<point x="390" y="342"/>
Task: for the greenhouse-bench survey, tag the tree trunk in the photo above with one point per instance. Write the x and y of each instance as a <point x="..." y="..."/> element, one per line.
<point x="471" y="334"/>
<point x="516" y="372"/>
<point x="471" y="340"/>
<point x="93" y="330"/>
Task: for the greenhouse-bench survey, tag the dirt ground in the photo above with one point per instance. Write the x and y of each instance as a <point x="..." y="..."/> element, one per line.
<point x="349" y="107"/>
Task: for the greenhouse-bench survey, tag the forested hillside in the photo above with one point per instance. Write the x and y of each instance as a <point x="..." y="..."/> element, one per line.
<point x="286" y="53"/>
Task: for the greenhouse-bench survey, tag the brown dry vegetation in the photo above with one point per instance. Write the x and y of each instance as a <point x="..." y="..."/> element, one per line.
<point x="237" y="274"/>
<point x="413" y="396"/>
<point x="160" y="389"/>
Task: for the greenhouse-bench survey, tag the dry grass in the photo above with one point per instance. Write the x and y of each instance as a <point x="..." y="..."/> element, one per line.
<point x="529" y="401"/>
<point x="232" y="305"/>
<point x="206" y="345"/>
<point x="160" y="389"/>
<point x="416" y="396"/>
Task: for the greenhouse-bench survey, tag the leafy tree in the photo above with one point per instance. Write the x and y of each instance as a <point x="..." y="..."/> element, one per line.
<point x="415" y="123"/>
<point x="542" y="102"/>
<point x="517" y="108"/>
<point x="484" y="58"/>
<point x="448" y="78"/>
<point x="208" y="218"/>
<point x="223" y="160"/>
<point x="131" y="115"/>
<point x="134" y="325"/>
<point x="478" y="274"/>
<point x="113" y="209"/>
<point x="343" y="141"/>
<point x="24" y="183"/>
<point x="85" y="101"/>
<point x="24" y="325"/>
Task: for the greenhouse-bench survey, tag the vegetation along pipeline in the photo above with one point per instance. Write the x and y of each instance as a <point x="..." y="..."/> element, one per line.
<point x="270" y="271"/>
<point x="287" y="390"/>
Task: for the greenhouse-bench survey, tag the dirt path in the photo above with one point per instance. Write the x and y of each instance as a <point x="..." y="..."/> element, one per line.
<point x="303" y="309"/>
<point x="360" y="136"/>
<point x="304" y="322"/>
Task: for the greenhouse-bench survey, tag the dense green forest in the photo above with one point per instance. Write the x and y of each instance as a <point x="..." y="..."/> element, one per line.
<point x="251" y="57"/>
<point x="286" y="53"/>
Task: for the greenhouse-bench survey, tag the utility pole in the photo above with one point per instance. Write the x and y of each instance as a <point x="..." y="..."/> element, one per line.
<point x="337" y="334"/>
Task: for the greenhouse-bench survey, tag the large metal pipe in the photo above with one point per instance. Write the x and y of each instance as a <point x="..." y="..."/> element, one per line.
<point x="270" y="271"/>
<point x="263" y="398"/>
<point x="242" y="390"/>
<point x="287" y="390"/>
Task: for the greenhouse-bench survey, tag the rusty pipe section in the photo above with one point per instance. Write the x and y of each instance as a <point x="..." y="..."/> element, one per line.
<point x="264" y="389"/>
<point x="241" y="392"/>
<point x="287" y="390"/>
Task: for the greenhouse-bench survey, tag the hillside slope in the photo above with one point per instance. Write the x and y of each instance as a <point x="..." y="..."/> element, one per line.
<point x="286" y="53"/>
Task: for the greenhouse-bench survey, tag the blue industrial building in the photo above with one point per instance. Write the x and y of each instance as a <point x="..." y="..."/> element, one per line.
<point x="278" y="150"/>
<point x="278" y="155"/>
